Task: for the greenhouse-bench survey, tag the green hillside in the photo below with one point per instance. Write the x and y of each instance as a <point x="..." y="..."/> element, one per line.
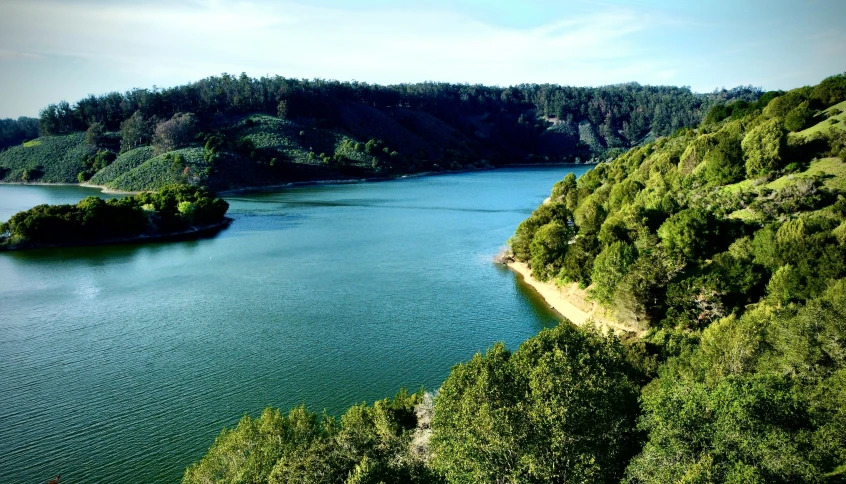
<point x="725" y="243"/>
<point x="185" y="165"/>
<point x="831" y="118"/>
<point x="49" y="159"/>
<point x="269" y="131"/>
<point x="125" y="162"/>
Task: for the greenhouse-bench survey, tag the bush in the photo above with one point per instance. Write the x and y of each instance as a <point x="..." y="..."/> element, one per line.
<point x="504" y="418"/>
<point x="724" y="163"/>
<point x="764" y="147"/>
<point x="548" y="248"/>
<point x="798" y="118"/>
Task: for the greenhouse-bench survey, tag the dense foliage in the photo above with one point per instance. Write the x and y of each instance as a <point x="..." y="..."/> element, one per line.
<point x="681" y="232"/>
<point x="57" y="159"/>
<point x="16" y="131"/>
<point x="94" y="220"/>
<point x="368" y="444"/>
<point x="504" y="418"/>
<point x="272" y="130"/>
<point x="726" y="245"/>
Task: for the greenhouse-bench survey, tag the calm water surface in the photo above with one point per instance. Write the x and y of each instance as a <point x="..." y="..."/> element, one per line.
<point x="121" y="364"/>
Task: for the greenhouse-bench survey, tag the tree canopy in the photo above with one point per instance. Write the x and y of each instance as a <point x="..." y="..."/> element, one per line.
<point x="94" y="220"/>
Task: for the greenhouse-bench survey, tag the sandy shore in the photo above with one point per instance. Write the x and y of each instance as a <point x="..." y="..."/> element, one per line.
<point x="571" y="303"/>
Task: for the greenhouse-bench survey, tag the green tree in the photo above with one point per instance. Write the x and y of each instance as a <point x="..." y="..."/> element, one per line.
<point x="578" y="262"/>
<point x="548" y="248"/>
<point x="785" y="285"/>
<point x="690" y="234"/>
<point x="764" y="148"/>
<point x="743" y="429"/>
<point x="589" y="216"/>
<point x="724" y="163"/>
<point x="783" y="104"/>
<point x="562" y="189"/>
<point x="368" y="444"/>
<point x="521" y="242"/>
<point x="830" y="91"/>
<point x="282" y="109"/>
<point x="623" y="194"/>
<point x="609" y="268"/>
<point x="560" y="409"/>
<point x="95" y="135"/>
<point x="798" y="118"/>
<point x="134" y="132"/>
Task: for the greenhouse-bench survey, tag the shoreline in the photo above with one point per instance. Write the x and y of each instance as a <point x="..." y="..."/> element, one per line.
<point x="571" y="303"/>
<point x="102" y="188"/>
<point x="282" y="186"/>
<point x="188" y="234"/>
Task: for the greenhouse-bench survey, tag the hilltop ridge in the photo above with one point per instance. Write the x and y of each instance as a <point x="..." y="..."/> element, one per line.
<point x="231" y="132"/>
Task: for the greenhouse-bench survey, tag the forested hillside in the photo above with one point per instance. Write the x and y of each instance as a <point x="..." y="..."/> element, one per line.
<point x="226" y="132"/>
<point x="726" y="243"/>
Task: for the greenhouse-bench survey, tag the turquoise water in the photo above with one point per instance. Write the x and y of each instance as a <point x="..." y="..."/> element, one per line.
<point x="122" y="363"/>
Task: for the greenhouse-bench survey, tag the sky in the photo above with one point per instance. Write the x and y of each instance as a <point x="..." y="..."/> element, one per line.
<point x="53" y="50"/>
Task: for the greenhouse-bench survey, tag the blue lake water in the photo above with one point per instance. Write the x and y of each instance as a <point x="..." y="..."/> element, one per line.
<point x="122" y="363"/>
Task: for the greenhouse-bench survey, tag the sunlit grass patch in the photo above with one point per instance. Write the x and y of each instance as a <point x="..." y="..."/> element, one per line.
<point x="825" y="122"/>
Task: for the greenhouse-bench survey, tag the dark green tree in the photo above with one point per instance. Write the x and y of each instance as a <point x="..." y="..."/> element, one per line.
<point x="764" y="148"/>
<point x="560" y="409"/>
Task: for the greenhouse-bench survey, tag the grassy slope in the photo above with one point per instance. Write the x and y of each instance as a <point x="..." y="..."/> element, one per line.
<point x="159" y="171"/>
<point x="124" y="163"/>
<point x="57" y="157"/>
<point x="831" y="171"/>
<point x="825" y="121"/>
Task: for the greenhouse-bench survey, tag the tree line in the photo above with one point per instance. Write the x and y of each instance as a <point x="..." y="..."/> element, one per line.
<point x="16" y="131"/>
<point x="623" y="113"/>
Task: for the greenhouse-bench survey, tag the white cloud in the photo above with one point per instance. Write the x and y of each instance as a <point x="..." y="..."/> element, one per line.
<point x="171" y="43"/>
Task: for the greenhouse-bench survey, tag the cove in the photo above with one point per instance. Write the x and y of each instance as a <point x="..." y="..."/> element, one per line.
<point x="122" y="363"/>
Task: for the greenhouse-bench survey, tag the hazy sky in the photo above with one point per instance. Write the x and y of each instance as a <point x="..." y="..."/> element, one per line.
<point x="52" y="50"/>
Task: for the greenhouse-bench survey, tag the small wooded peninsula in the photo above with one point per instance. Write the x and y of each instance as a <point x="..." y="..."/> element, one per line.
<point x="725" y="243"/>
<point x="174" y="211"/>
<point x="228" y="132"/>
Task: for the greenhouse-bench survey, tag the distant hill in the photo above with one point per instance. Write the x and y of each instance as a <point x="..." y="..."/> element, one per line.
<point x="229" y="132"/>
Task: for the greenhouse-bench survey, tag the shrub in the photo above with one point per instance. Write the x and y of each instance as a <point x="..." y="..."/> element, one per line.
<point x="764" y="147"/>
